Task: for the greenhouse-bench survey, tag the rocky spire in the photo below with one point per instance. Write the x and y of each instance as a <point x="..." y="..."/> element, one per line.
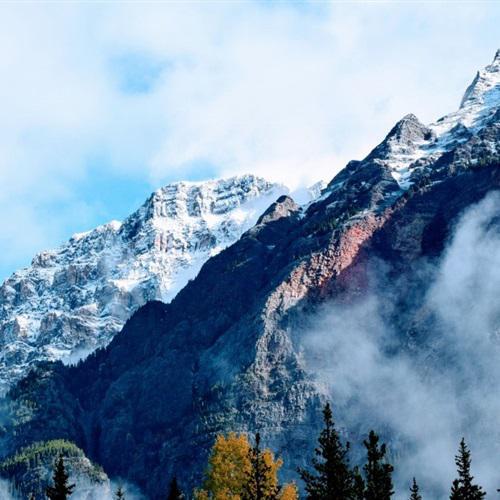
<point x="486" y="82"/>
<point x="402" y="139"/>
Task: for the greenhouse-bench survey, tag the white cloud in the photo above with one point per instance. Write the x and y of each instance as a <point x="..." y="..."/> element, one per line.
<point x="291" y="91"/>
<point x="428" y="397"/>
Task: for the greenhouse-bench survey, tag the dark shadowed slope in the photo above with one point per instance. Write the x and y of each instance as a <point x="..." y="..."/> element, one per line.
<point x="223" y="354"/>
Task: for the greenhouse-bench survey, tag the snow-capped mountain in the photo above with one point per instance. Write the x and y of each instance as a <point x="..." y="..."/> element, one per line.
<point x="411" y="145"/>
<point x="228" y="353"/>
<point x="72" y="300"/>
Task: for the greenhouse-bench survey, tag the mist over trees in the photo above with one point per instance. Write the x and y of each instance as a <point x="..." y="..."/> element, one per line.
<point x="442" y="367"/>
<point x="240" y="468"/>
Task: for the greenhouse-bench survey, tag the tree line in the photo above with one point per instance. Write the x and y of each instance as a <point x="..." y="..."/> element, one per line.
<point x="238" y="470"/>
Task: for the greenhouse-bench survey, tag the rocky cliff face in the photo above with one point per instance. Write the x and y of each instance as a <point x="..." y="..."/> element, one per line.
<point x="72" y="300"/>
<point x="225" y="353"/>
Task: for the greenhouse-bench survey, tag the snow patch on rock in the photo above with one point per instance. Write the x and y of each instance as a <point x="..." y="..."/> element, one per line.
<point x="74" y="299"/>
<point x="409" y="152"/>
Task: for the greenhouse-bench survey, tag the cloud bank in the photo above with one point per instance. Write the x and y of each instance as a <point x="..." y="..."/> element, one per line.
<point x="423" y="396"/>
<point x="102" y="102"/>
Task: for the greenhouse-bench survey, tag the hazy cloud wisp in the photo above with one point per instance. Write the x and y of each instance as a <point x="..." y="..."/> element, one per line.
<point x="425" y="398"/>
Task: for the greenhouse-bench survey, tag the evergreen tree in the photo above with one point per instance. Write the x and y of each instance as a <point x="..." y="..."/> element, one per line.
<point x="175" y="492"/>
<point x="120" y="494"/>
<point x="455" y="493"/>
<point x="415" y="495"/>
<point x="61" y="489"/>
<point x="333" y="479"/>
<point x="463" y="487"/>
<point x="358" y="485"/>
<point x="378" y="473"/>
<point x="261" y="483"/>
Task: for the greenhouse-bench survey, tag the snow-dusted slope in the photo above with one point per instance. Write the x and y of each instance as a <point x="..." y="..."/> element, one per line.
<point x="75" y="299"/>
<point x="410" y="146"/>
<point x="240" y="348"/>
<point x="72" y="300"/>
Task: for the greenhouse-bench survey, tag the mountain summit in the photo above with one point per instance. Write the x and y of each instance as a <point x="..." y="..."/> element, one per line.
<point x="228" y="352"/>
<point x="410" y="145"/>
<point x="72" y="300"/>
<point x="485" y="87"/>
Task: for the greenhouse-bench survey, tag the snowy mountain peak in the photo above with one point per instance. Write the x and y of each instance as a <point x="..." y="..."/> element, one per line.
<point x="485" y="85"/>
<point x="74" y="299"/>
<point x="479" y="105"/>
<point x="406" y="131"/>
<point x="195" y="216"/>
<point x="402" y="139"/>
<point x="410" y="118"/>
<point x="410" y="146"/>
<point x="202" y="199"/>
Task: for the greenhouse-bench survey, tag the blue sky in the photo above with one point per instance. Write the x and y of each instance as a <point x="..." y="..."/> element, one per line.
<point x="103" y="103"/>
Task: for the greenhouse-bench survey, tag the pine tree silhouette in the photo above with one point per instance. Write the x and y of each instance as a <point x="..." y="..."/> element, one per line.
<point x="333" y="478"/>
<point x="120" y="494"/>
<point x="378" y="473"/>
<point x="358" y="489"/>
<point x="259" y="484"/>
<point x="415" y="495"/>
<point x="463" y="487"/>
<point x="61" y="489"/>
<point x="175" y="492"/>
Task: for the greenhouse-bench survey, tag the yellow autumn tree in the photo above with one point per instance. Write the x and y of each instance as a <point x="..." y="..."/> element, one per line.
<point x="289" y="492"/>
<point x="230" y="469"/>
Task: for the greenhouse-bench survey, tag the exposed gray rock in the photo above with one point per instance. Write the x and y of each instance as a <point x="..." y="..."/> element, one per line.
<point x="73" y="300"/>
<point x="225" y="354"/>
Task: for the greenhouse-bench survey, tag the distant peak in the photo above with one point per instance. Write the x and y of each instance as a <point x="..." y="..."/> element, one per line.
<point x="206" y="202"/>
<point x="284" y="206"/>
<point x="410" y="117"/>
<point x="496" y="60"/>
<point x="112" y="226"/>
<point x="211" y="183"/>
<point x="402" y="138"/>
<point x="409" y="123"/>
<point x="485" y="81"/>
<point x="214" y="196"/>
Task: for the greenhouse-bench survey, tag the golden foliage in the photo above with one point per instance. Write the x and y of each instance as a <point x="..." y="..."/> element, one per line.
<point x="274" y="467"/>
<point x="229" y="467"/>
<point x="289" y="492"/>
